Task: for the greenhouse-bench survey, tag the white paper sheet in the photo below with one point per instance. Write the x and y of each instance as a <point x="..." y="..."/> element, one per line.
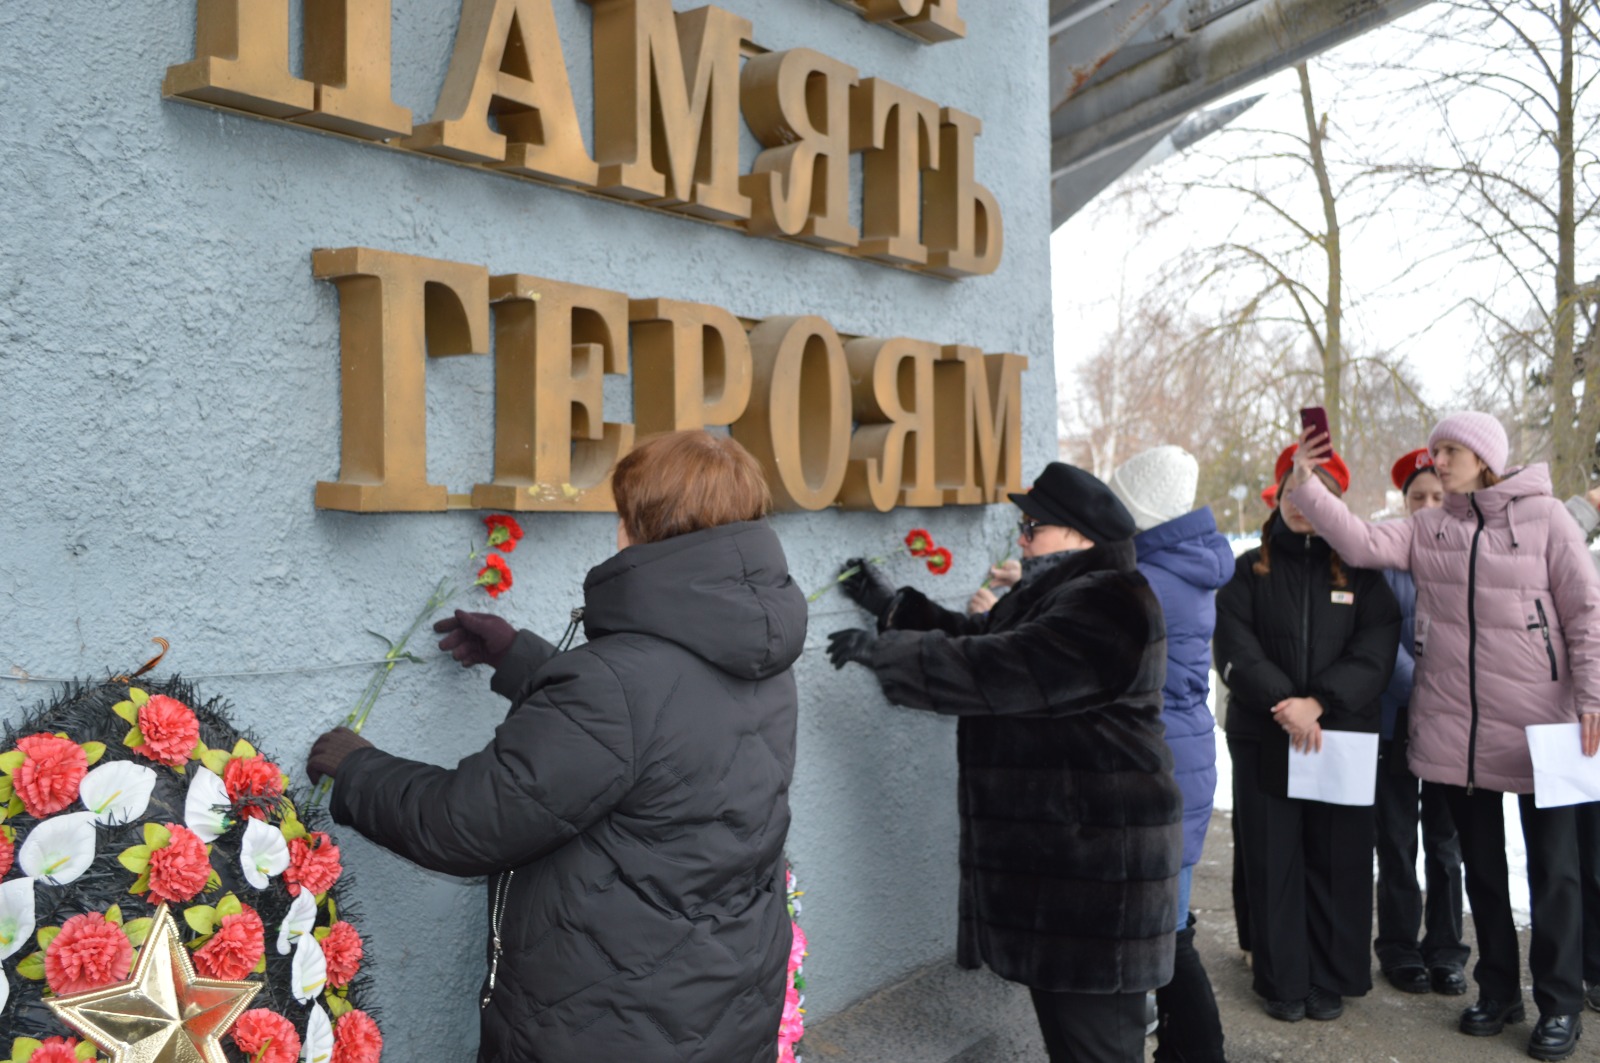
<point x="1562" y="775"/>
<point x="1344" y="773"/>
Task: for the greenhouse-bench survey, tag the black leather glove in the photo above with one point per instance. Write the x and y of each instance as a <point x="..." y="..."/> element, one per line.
<point x="851" y="644"/>
<point x="329" y="751"/>
<point x="476" y="638"/>
<point x="866" y="586"/>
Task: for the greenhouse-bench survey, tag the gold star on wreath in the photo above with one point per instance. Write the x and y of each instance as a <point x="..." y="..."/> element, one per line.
<point x="163" y="1013"/>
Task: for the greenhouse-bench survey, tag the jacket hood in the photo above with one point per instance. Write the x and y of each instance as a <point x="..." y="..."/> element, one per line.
<point x="1495" y="502"/>
<point x="724" y="594"/>
<point x="1190" y="548"/>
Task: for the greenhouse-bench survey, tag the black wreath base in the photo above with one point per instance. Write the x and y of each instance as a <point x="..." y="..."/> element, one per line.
<point x="83" y="711"/>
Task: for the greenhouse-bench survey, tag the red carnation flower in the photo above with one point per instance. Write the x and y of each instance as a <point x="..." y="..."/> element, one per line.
<point x="90" y="952"/>
<point x="47" y="781"/>
<point x="266" y="1037"/>
<point x="356" y="1039"/>
<point x="170" y="730"/>
<point x="8" y="852"/>
<point x="313" y="864"/>
<point x="504" y="531"/>
<point x="938" y="561"/>
<point x="56" y="1050"/>
<point x="235" y="949"/>
<point x="494" y="576"/>
<point x="342" y="949"/>
<point x="179" y="869"/>
<point x="253" y="783"/>
<point x="919" y="542"/>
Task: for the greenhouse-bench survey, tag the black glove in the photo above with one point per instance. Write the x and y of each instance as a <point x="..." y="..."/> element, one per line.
<point x="476" y="638"/>
<point x="329" y="751"/>
<point x="866" y="586"/>
<point x="851" y="644"/>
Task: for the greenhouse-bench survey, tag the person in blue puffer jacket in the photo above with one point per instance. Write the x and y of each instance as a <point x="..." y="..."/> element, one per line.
<point x="1185" y="560"/>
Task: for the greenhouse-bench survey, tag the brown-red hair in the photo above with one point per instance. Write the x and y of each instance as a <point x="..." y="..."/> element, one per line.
<point x="681" y="482"/>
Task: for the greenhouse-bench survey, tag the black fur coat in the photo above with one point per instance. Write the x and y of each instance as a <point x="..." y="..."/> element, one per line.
<point x="1070" y="817"/>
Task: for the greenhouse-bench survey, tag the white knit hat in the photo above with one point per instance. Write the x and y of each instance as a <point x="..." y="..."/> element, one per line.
<point x="1157" y="485"/>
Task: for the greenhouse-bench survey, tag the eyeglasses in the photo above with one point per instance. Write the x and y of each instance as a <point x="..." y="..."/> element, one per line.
<point x="1028" y="527"/>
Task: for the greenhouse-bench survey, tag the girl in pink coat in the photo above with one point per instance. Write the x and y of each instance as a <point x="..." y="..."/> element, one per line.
<point x="1507" y="635"/>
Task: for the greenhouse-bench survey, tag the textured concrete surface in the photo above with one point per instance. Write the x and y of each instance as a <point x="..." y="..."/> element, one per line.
<point x="169" y="394"/>
<point x="946" y="1015"/>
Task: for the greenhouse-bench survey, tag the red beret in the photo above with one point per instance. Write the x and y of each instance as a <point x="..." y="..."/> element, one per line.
<point x="1334" y="467"/>
<point x="1269" y="495"/>
<point x="1409" y="466"/>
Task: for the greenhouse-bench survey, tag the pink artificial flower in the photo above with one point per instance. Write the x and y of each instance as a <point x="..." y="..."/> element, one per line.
<point x="47" y="781"/>
<point x="266" y="1037"/>
<point x="792" y="1026"/>
<point x="8" y="852"/>
<point x="356" y="1039"/>
<point x="252" y="784"/>
<point x="179" y="869"/>
<point x="342" y="949"/>
<point x="313" y="864"/>
<point x="170" y="730"/>
<point x="56" y="1050"/>
<point x="89" y="953"/>
<point x="235" y="949"/>
<point x="797" y="948"/>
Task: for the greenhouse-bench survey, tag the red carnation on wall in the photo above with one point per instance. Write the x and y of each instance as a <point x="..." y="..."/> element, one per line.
<point x="88" y="953"/>
<point x="356" y="1039"/>
<point x="938" y="561"/>
<point x="504" y="531"/>
<point x="170" y="730"/>
<point x="342" y="950"/>
<point x="254" y="784"/>
<point x="494" y="576"/>
<point x="919" y="542"/>
<point x="179" y="869"/>
<point x="47" y="781"/>
<point x="266" y="1037"/>
<point x="313" y="864"/>
<point x="8" y="850"/>
<point x="235" y="949"/>
<point x="57" y="1050"/>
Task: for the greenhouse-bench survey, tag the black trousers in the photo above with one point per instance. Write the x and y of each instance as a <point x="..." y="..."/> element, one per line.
<point x="1091" y="1027"/>
<point x="1308" y="887"/>
<point x="1402" y="911"/>
<point x="1589" y="869"/>
<point x="1555" y="954"/>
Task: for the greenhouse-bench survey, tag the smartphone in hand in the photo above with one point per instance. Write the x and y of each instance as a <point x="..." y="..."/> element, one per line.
<point x="1315" y="418"/>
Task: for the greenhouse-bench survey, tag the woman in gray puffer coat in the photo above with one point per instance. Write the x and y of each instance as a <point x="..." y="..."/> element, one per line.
<point x="1507" y="634"/>
<point x="631" y="810"/>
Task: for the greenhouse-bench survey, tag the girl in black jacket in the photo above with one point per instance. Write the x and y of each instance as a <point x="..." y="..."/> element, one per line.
<point x="1303" y="643"/>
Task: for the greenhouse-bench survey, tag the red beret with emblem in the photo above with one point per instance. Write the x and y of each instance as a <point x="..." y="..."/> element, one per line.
<point x="1409" y="466"/>
<point x="1334" y="466"/>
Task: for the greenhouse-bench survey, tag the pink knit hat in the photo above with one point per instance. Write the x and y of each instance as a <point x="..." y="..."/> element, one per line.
<point x="1480" y="433"/>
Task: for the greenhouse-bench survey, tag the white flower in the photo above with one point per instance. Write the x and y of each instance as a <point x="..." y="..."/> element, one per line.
<point x="309" y="969"/>
<point x="5" y="990"/>
<point x="118" y="792"/>
<point x="263" y="853"/>
<point x="16" y="918"/>
<point x="205" y="810"/>
<point x="318" y="1044"/>
<point x="59" y="849"/>
<point x="301" y="918"/>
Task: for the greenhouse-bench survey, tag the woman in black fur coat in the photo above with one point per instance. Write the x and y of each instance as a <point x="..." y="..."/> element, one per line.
<point x="1070" y="816"/>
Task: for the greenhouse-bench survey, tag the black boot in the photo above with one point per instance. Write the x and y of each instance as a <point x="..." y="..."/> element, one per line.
<point x="1189" y="1030"/>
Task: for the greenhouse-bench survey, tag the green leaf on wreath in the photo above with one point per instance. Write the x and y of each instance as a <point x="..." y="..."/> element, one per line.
<point x="244" y="749"/>
<point x="199" y="748"/>
<point x="16" y="806"/>
<point x="23" y="1048"/>
<point x="202" y="918"/>
<point x="229" y="905"/>
<point x="213" y="881"/>
<point x="93" y="751"/>
<point x="321" y="933"/>
<point x="7" y="790"/>
<point x="216" y="760"/>
<point x="261" y="965"/>
<point x="156" y="836"/>
<point x="10" y="762"/>
<point x="141" y="885"/>
<point x="114" y="914"/>
<point x="137" y="696"/>
<point x="137" y="931"/>
<point x="85" y="1051"/>
<point x="199" y="941"/>
<point x="180" y="769"/>
<point x="46" y="935"/>
<point x="136" y="858"/>
<point x="333" y="910"/>
<point x="290" y="826"/>
<point x="134" y="738"/>
<point x="127" y="710"/>
<point x="31" y="967"/>
<point x="337" y="1005"/>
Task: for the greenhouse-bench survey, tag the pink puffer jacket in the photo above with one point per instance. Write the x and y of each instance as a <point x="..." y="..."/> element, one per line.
<point x="1508" y="620"/>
